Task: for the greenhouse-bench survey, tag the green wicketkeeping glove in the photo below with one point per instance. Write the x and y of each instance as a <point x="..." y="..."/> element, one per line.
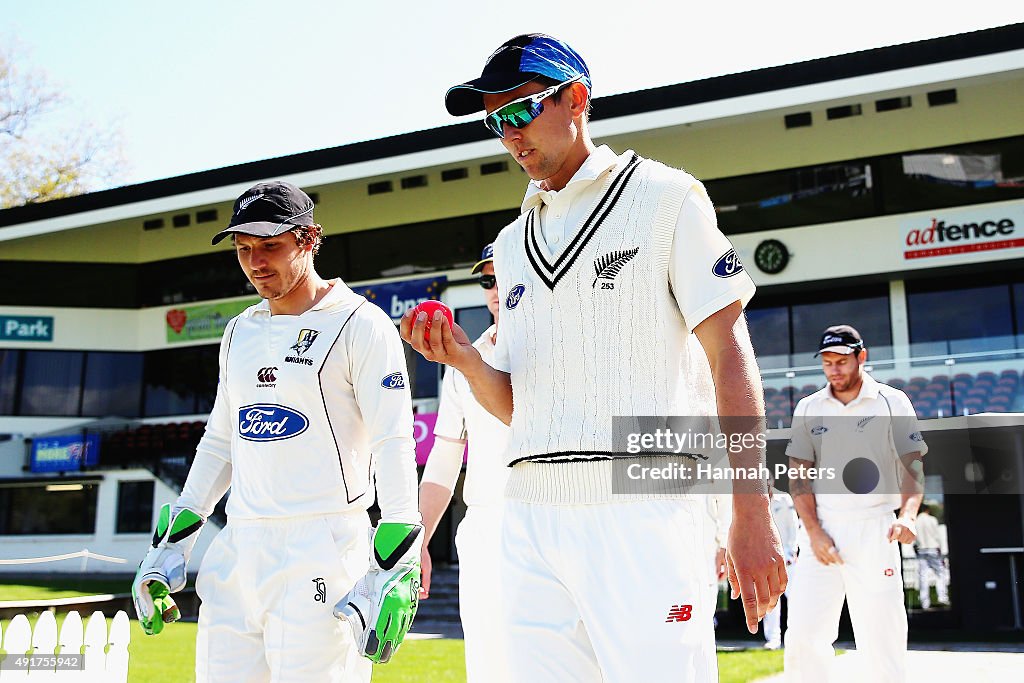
<point x="381" y="606"/>
<point x="163" y="570"/>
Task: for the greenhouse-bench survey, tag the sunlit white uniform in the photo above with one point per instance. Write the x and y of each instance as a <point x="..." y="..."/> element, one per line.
<point x="879" y="425"/>
<point x="601" y="284"/>
<point x="478" y="539"/>
<point x="309" y="409"/>
<point x="786" y="520"/>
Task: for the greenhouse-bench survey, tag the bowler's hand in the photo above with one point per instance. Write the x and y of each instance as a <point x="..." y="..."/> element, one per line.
<point x="425" y="566"/>
<point x="824" y="547"/>
<point x="451" y="346"/>
<point x="902" y="530"/>
<point x="757" y="569"/>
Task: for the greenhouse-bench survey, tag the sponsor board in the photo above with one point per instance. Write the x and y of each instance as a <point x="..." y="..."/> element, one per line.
<point x="206" y="321"/>
<point x="64" y="453"/>
<point x="395" y="298"/>
<point x="963" y="231"/>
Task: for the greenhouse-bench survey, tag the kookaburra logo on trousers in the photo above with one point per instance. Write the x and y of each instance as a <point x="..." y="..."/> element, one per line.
<point x="321" y="590"/>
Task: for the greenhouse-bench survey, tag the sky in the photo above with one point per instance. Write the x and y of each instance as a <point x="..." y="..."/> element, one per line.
<point x="200" y="84"/>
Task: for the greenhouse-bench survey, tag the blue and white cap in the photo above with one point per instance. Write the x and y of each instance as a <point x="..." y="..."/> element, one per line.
<point x="517" y="62"/>
<point x="485" y="257"/>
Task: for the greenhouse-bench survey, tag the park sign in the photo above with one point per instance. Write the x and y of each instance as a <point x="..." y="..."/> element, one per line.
<point x="64" y="453"/>
<point x="26" y="328"/>
<point x="207" y="321"/>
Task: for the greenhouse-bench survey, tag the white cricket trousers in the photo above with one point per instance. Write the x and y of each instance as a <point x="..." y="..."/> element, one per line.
<point x="871" y="580"/>
<point x="268" y="589"/>
<point x="612" y="592"/>
<point x="772" y="624"/>
<point x="478" y="540"/>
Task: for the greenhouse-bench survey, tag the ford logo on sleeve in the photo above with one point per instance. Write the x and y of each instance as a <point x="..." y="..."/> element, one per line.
<point x="270" y="422"/>
<point x="728" y="265"/>
<point x="515" y="295"/>
<point x="396" y="380"/>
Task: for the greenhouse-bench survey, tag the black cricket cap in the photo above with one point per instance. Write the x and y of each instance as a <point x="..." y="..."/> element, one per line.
<point x="268" y="209"/>
<point x="840" y="339"/>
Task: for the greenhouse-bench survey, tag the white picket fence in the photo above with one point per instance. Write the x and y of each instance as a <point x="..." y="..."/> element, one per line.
<point x="99" y="663"/>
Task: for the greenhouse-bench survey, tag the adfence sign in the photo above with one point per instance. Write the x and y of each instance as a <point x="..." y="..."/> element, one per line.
<point x="64" y="453"/>
<point x="207" y="321"/>
<point x="957" y="232"/>
<point x="26" y="328"/>
<point x="398" y="297"/>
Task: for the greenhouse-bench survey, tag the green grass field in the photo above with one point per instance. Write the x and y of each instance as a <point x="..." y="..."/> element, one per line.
<point x="170" y="657"/>
<point x="71" y="587"/>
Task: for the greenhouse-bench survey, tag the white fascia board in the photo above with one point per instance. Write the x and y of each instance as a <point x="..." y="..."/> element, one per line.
<point x="873" y="84"/>
<point x="876" y="85"/>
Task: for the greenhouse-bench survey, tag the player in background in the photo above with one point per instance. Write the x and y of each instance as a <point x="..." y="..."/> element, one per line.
<point x="612" y="264"/>
<point x="867" y="433"/>
<point x="787" y="522"/>
<point x="312" y="382"/>
<point x="478" y="539"/>
<point x="930" y="559"/>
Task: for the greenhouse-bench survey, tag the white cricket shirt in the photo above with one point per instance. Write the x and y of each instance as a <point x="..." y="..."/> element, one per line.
<point x="879" y="425"/>
<point x="310" y="407"/>
<point x="461" y="417"/>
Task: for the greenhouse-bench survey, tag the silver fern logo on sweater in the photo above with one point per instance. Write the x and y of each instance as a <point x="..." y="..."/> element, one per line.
<point x="610" y="265"/>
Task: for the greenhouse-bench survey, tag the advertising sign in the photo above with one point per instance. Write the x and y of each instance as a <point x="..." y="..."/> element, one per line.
<point x="64" y="453"/>
<point x="398" y="297"/>
<point x="206" y="321"/>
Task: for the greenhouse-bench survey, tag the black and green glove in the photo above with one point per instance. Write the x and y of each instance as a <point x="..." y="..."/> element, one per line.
<point x="163" y="570"/>
<point x="381" y="606"/>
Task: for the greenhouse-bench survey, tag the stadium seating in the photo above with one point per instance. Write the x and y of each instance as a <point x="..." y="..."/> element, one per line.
<point x="149" y="443"/>
<point x="938" y="396"/>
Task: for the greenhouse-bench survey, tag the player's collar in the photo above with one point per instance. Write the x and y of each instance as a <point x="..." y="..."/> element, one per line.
<point x="600" y="161"/>
<point x="869" y="389"/>
<point x="334" y="295"/>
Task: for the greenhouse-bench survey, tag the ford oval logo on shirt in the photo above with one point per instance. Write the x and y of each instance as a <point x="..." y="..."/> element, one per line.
<point x="270" y="422"/>
<point x="396" y="380"/>
<point x="728" y="265"/>
<point x="515" y="296"/>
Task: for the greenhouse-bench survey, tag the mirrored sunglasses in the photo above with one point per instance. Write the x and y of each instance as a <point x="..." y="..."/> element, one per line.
<point x="488" y="281"/>
<point x="520" y="113"/>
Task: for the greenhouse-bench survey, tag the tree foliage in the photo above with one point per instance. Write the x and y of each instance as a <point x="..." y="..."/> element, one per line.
<point x="46" y="151"/>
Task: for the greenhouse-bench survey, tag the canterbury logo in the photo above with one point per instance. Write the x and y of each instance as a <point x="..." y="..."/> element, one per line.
<point x="266" y="375"/>
<point x="246" y="202"/>
<point x="609" y="265"/>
